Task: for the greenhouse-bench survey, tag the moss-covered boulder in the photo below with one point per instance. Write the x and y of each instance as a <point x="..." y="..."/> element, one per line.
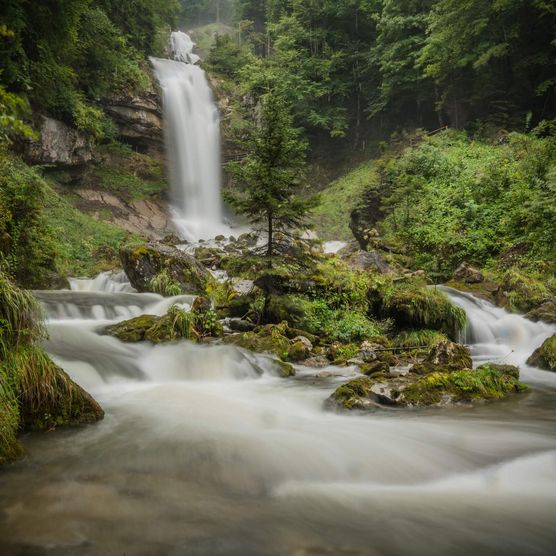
<point x="546" y="312"/>
<point x="176" y="324"/>
<point x="267" y="339"/>
<point x="133" y="330"/>
<point x="287" y="370"/>
<point x="412" y="307"/>
<point x="35" y="393"/>
<point x="520" y="292"/>
<point x="159" y="268"/>
<point x="48" y="397"/>
<point x="544" y="357"/>
<point x="438" y="388"/>
<point x="445" y="356"/>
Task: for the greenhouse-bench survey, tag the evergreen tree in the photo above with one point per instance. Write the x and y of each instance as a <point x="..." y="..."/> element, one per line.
<point x="271" y="174"/>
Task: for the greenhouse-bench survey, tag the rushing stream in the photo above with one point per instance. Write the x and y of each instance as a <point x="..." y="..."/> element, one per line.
<point x="204" y="451"/>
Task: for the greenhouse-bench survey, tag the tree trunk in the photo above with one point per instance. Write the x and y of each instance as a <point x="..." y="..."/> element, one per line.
<point x="270" y="243"/>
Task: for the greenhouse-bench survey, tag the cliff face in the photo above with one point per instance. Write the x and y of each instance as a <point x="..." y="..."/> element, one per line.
<point x="139" y="120"/>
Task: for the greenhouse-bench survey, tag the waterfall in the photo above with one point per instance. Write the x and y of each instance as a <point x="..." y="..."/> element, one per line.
<point x="493" y="334"/>
<point x="192" y="135"/>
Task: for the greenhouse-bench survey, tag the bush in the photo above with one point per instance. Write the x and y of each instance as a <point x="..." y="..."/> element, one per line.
<point x="27" y="247"/>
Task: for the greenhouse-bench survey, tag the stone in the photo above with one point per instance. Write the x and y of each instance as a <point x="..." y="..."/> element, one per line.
<point x="544" y="357"/>
<point x="468" y="274"/>
<point x="287" y="370"/>
<point x="369" y="261"/>
<point x="138" y="119"/>
<point x="545" y="312"/>
<point x="488" y="382"/>
<point x="143" y="262"/>
<point x="445" y="356"/>
<point x="59" y="145"/>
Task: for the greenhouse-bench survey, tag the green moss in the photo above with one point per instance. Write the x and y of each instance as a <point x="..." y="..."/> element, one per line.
<point x="520" y="292"/>
<point x="349" y="395"/>
<point x="164" y="284"/>
<point x="412" y="306"/>
<point x="484" y="383"/>
<point x="269" y="339"/>
<point x="544" y="357"/>
<point x="332" y="215"/>
<point x="133" y="330"/>
<point x="419" y="339"/>
<point x="286" y="369"/>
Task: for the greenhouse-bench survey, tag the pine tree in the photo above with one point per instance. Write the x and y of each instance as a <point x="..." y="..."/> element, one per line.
<point x="271" y="174"/>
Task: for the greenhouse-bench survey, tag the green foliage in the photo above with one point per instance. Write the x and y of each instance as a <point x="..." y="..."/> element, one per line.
<point x="483" y="383"/>
<point x="332" y="214"/>
<point x="65" y="56"/>
<point x="423" y="338"/>
<point x="164" y="284"/>
<point x="271" y="173"/>
<point x="450" y="199"/>
<point x="27" y="247"/>
<point x="85" y="246"/>
<point x="415" y="306"/>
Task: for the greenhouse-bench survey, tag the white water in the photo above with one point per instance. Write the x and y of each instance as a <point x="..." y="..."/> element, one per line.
<point x="192" y="129"/>
<point x="206" y="452"/>
<point x="493" y="334"/>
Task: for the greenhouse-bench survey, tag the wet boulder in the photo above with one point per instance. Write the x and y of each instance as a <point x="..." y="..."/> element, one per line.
<point x="544" y="357"/>
<point x="445" y="356"/>
<point x="144" y="263"/>
<point x="48" y="397"/>
<point x="369" y="261"/>
<point x="132" y="330"/>
<point x="468" y="274"/>
<point x="438" y="388"/>
<point x="546" y="312"/>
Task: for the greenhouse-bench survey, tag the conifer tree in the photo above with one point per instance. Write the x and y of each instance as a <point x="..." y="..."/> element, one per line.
<point x="271" y="174"/>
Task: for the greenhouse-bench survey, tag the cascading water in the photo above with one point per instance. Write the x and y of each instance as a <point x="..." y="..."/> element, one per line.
<point x="205" y="451"/>
<point x="493" y="334"/>
<point x="192" y="133"/>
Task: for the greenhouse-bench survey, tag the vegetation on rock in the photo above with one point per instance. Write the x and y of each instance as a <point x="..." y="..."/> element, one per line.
<point x="544" y="357"/>
<point x="34" y="392"/>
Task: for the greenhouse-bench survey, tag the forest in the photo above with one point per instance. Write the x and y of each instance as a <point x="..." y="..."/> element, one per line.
<point x="277" y="277"/>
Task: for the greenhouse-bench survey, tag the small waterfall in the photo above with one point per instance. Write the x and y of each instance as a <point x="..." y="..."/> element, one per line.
<point x="192" y="133"/>
<point x="494" y="334"/>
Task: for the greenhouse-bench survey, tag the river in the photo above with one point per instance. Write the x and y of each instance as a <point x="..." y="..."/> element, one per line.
<point x="204" y="451"/>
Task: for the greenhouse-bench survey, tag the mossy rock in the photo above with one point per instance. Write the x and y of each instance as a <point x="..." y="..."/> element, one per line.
<point x="287" y="370"/>
<point x="545" y="312"/>
<point x="544" y="357"/>
<point x="413" y="307"/>
<point x="48" y="397"/>
<point x="298" y="351"/>
<point x="374" y="367"/>
<point x="265" y="339"/>
<point x="356" y="394"/>
<point x="176" y="324"/>
<point x="445" y="356"/>
<point x="142" y="264"/>
<point x="489" y="382"/>
<point x="520" y="293"/>
<point x="133" y="330"/>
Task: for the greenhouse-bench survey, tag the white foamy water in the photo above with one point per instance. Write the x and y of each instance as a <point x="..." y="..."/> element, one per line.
<point x="192" y="132"/>
<point x="205" y="451"/>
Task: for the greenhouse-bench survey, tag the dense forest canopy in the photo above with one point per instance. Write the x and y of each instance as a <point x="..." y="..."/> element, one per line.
<point x="404" y="64"/>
